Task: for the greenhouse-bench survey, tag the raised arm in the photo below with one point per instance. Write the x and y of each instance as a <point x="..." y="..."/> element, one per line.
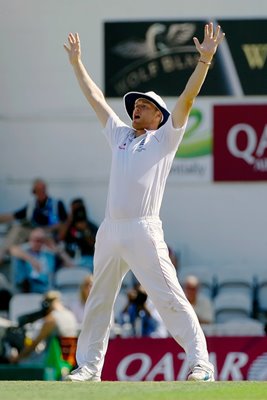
<point x="91" y="91"/>
<point x="206" y="50"/>
<point x="18" y="252"/>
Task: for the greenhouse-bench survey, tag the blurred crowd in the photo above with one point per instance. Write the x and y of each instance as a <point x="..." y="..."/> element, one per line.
<point x="43" y="238"/>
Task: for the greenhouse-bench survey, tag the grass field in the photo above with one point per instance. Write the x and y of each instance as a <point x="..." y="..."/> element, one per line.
<point x="44" y="390"/>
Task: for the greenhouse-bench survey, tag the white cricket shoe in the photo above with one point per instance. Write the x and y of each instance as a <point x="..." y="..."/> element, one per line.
<point x="82" y="374"/>
<point x="201" y="374"/>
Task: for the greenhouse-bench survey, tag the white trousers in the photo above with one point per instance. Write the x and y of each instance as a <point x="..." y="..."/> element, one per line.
<point x="137" y="244"/>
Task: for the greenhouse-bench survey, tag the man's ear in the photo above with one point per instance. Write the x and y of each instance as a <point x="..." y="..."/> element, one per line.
<point x="159" y="113"/>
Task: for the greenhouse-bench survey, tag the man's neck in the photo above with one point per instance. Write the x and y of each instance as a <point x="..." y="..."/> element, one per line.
<point x="42" y="201"/>
<point x="140" y="132"/>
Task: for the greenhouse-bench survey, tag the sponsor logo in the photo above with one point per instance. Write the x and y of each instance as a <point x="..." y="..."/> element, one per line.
<point x="252" y="153"/>
<point x="258" y="369"/>
<point x="144" y="54"/>
<point x="240" y="142"/>
<point x="139" y="367"/>
<point x="123" y="146"/>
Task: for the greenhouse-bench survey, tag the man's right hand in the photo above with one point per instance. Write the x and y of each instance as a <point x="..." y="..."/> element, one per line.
<point x="74" y="48"/>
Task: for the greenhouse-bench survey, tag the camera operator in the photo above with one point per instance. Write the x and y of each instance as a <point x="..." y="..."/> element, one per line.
<point x="78" y="234"/>
<point x="57" y="321"/>
<point x="141" y="313"/>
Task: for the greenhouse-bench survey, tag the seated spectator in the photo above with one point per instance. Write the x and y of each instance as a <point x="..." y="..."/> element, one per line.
<point x="141" y="313"/>
<point x="201" y="303"/>
<point x="44" y="211"/>
<point x="58" y="321"/>
<point x="77" y="306"/>
<point x="35" y="262"/>
<point x="78" y="234"/>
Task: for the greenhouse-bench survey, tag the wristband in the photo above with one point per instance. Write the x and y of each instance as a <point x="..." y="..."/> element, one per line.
<point x="204" y="62"/>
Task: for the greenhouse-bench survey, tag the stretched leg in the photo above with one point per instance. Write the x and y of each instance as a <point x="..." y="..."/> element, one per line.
<point x="148" y="258"/>
<point x="109" y="271"/>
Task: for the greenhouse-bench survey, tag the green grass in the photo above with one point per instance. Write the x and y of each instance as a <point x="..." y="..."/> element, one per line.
<point x="44" y="390"/>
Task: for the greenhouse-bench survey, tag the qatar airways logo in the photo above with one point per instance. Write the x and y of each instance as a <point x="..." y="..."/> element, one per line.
<point x="233" y="368"/>
<point x="240" y="142"/>
<point x="254" y="150"/>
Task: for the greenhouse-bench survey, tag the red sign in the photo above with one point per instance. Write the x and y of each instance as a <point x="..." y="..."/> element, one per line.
<point x="145" y="359"/>
<point x="240" y="142"/>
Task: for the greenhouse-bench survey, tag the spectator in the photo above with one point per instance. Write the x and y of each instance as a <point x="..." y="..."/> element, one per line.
<point x="77" y="307"/>
<point x="44" y="211"/>
<point x="35" y="262"/>
<point x="141" y="313"/>
<point x="201" y="303"/>
<point x="78" y="234"/>
<point x="58" y="321"/>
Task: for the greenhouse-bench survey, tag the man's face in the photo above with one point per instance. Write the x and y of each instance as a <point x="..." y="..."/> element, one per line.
<point x="39" y="191"/>
<point x="191" y="291"/>
<point x="145" y="115"/>
<point x="37" y="239"/>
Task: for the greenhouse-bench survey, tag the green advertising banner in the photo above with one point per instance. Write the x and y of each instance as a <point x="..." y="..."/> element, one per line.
<point x="161" y="55"/>
<point x="193" y="160"/>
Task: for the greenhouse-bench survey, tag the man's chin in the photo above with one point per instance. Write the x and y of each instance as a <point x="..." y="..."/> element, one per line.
<point x="136" y="125"/>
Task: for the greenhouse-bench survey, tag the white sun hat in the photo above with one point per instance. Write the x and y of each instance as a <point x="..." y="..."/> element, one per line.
<point x="131" y="97"/>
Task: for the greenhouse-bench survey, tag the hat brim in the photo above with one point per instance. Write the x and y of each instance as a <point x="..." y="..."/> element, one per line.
<point x="130" y="99"/>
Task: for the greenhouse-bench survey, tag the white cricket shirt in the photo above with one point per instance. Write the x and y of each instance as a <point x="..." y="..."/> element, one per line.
<point x="139" y="169"/>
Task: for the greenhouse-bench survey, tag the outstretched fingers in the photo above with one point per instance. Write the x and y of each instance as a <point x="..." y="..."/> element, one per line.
<point x="197" y="44"/>
<point x="219" y="35"/>
<point x="213" y="36"/>
<point x="209" y="30"/>
<point x="73" y="48"/>
<point x="217" y="32"/>
<point x="66" y="47"/>
<point x="71" y="38"/>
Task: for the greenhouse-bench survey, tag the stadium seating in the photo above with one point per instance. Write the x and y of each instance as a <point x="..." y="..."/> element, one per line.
<point x="237" y="306"/>
<point x="234" y="279"/>
<point x="69" y="279"/>
<point x="24" y="303"/>
<point x="244" y="327"/>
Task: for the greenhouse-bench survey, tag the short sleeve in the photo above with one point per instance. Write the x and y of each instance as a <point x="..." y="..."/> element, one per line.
<point x="169" y="135"/>
<point x="115" y="129"/>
